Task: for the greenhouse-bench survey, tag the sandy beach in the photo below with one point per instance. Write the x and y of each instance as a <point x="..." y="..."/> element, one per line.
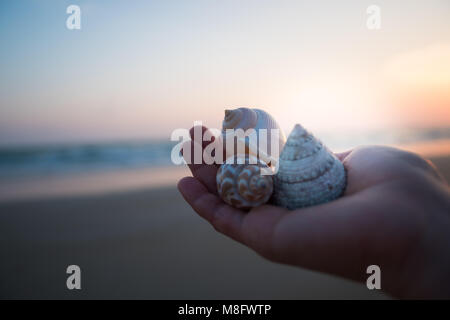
<point x="143" y="243"/>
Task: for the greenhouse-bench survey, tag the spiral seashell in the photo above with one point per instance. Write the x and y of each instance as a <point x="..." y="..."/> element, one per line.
<point x="246" y="118"/>
<point x="308" y="173"/>
<point x="242" y="185"/>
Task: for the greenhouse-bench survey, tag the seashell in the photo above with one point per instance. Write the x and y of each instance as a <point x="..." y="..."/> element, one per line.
<point x="246" y="118"/>
<point x="308" y="173"/>
<point x="242" y="185"/>
<point x="245" y="180"/>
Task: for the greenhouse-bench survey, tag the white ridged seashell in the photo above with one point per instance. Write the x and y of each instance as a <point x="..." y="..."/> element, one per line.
<point x="246" y="118"/>
<point x="242" y="185"/>
<point x="308" y="172"/>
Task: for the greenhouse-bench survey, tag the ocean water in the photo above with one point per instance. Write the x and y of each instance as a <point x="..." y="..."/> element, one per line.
<point x="47" y="160"/>
<point x="16" y="162"/>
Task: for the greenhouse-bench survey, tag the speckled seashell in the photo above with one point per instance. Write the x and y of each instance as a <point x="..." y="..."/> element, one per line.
<point x="246" y="118"/>
<point x="242" y="185"/>
<point x="308" y="173"/>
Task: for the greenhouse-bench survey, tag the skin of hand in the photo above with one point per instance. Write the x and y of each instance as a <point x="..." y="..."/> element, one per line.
<point x="394" y="213"/>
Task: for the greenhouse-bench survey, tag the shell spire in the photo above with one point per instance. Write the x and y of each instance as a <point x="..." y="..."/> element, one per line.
<point x="242" y="118"/>
<point x="308" y="172"/>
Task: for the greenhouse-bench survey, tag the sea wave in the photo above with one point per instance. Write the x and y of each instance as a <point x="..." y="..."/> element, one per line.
<point x="65" y="159"/>
<point x="44" y="160"/>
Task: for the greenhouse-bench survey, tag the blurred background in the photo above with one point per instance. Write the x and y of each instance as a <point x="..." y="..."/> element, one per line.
<point x="86" y="117"/>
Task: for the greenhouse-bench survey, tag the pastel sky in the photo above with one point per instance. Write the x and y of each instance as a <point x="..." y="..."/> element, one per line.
<point x="140" y="69"/>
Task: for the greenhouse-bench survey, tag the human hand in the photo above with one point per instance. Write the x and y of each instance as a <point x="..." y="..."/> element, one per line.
<point x="395" y="213"/>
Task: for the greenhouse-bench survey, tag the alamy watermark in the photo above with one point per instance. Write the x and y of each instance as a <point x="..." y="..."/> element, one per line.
<point x="374" y="17"/>
<point x="73" y="21"/>
<point x="374" y="280"/>
<point x="74" y="280"/>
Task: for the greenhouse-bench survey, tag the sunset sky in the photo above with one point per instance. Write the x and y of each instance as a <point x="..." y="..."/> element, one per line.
<point x="140" y="69"/>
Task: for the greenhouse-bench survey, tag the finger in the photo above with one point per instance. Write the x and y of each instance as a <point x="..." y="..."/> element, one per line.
<point x="259" y="226"/>
<point x="223" y="217"/>
<point x="253" y="229"/>
<point x="208" y="137"/>
<point x="198" y="132"/>
<point x="206" y="173"/>
<point x="202" y="137"/>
